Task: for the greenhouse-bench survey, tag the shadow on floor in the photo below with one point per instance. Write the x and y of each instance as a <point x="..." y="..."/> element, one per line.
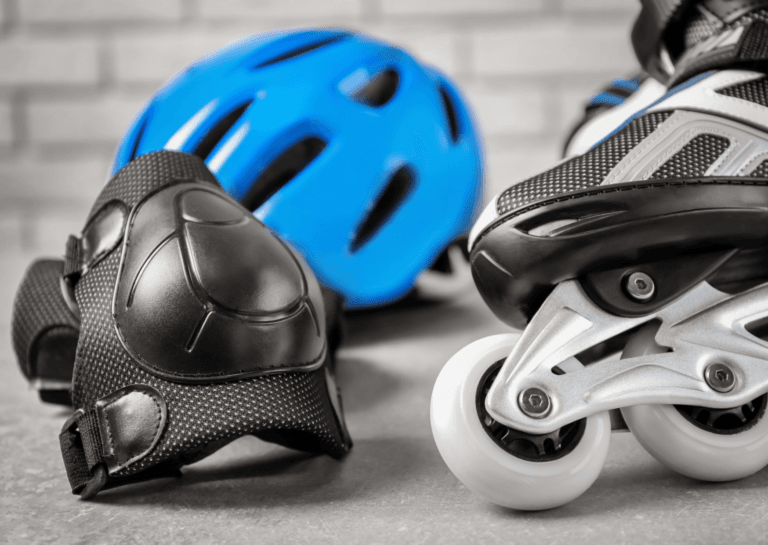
<point x="364" y="385"/>
<point x="282" y="477"/>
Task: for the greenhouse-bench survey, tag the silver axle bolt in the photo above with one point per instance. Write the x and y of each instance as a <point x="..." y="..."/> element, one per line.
<point x="534" y="402"/>
<point x="640" y="286"/>
<point x="720" y="377"/>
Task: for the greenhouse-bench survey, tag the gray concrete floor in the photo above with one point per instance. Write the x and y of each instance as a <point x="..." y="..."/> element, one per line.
<point x="392" y="488"/>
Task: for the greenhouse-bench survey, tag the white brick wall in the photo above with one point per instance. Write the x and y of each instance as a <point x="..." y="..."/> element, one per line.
<point x="68" y="11"/>
<point x="509" y="111"/>
<point x="577" y="6"/>
<point x="74" y="73"/>
<point x="104" y="119"/>
<point x="547" y="48"/>
<point x="155" y="57"/>
<point x="6" y="123"/>
<point x="61" y="61"/>
<point x="299" y="10"/>
<point x="40" y="181"/>
<point x="469" y="7"/>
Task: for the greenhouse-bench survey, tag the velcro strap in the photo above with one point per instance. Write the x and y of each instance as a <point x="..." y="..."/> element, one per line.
<point x="740" y="47"/>
<point x="124" y="427"/>
<point x="73" y="262"/>
<point x="81" y="449"/>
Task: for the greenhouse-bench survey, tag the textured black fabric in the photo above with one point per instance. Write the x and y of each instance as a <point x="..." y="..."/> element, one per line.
<point x="698" y="28"/>
<point x="695" y="157"/>
<point x="755" y="42"/>
<point x="754" y="91"/>
<point x="584" y="171"/>
<point x="692" y="26"/>
<point x="39" y="306"/>
<point x="291" y="408"/>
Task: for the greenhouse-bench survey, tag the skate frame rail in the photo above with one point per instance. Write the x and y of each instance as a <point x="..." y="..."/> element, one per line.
<point x="702" y="327"/>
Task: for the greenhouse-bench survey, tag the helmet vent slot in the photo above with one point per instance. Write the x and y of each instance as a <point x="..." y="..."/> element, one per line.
<point x="379" y="90"/>
<point x="214" y="136"/>
<point x="400" y="185"/>
<point x="293" y="53"/>
<point x="450" y="112"/>
<point x="282" y="170"/>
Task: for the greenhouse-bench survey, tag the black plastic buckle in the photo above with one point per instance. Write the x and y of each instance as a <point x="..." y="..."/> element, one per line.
<point x="71" y="424"/>
<point x="96" y="483"/>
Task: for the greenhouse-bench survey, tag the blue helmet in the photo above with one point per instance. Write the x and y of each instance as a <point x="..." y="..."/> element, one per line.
<point x="359" y="156"/>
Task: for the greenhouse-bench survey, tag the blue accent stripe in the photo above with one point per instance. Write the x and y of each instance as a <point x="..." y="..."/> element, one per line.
<point x="606" y="99"/>
<point x="630" y="85"/>
<point x="693" y="81"/>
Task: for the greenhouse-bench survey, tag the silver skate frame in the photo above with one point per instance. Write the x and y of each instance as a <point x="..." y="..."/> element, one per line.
<point x="701" y="327"/>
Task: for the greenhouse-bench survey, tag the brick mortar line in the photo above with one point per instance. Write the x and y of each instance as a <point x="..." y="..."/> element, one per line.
<point x="476" y="20"/>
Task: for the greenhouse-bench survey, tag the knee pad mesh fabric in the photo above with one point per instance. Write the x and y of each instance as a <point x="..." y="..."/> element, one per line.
<point x="198" y="326"/>
<point x="363" y="159"/>
<point x="45" y="328"/>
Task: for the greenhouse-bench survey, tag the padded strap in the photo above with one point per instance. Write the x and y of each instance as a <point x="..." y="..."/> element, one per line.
<point x="661" y="23"/>
<point x="648" y="30"/>
<point x="120" y="430"/>
<point x="335" y="324"/>
<point x="73" y="262"/>
<point x="45" y="329"/>
<point x="100" y="236"/>
<point x="740" y="47"/>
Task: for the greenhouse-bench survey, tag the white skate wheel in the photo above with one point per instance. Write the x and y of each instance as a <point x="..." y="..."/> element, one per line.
<point x="685" y="447"/>
<point x="694" y="452"/>
<point x="485" y="467"/>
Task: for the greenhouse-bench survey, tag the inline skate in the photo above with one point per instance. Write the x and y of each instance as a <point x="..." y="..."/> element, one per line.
<point x="639" y="273"/>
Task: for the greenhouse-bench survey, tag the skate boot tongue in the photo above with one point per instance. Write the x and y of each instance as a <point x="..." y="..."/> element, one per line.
<point x="675" y="40"/>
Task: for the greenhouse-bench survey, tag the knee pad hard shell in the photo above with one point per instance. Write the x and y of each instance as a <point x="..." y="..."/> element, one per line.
<point x="46" y="325"/>
<point x="197" y="326"/>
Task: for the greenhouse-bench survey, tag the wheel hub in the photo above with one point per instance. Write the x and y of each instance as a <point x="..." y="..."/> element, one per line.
<point x="726" y="421"/>
<point x="527" y="446"/>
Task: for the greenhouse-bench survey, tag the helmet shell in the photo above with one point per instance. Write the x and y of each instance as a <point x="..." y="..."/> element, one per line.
<point x="364" y="160"/>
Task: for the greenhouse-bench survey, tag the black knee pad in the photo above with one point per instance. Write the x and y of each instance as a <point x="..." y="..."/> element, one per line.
<point x="196" y="326"/>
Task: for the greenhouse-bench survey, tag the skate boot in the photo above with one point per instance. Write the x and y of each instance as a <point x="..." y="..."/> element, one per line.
<point x="194" y="325"/>
<point x="638" y="271"/>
